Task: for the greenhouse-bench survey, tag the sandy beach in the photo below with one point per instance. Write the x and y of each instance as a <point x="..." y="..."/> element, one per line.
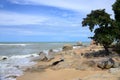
<point x="74" y="67"/>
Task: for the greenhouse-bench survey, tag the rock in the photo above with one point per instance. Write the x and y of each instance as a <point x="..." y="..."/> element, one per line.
<point x="3" y="58"/>
<point x="116" y="64"/>
<point x="79" y="44"/>
<point x="56" y="62"/>
<point x="41" y="57"/>
<point x="106" y="64"/>
<point x="114" y="70"/>
<point x="101" y="65"/>
<point x="67" y="47"/>
<point x="51" y="50"/>
<point x="51" y="54"/>
<point x="90" y="63"/>
<point x="70" y="52"/>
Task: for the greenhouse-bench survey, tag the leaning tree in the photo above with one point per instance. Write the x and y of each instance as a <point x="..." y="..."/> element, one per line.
<point x="102" y="25"/>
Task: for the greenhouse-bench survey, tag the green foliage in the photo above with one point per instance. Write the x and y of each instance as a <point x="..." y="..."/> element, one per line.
<point x="104" y="34"/>
<point x="116" y="9"/>
<point x="106" y="29"/>
<point x="97" y="18"/>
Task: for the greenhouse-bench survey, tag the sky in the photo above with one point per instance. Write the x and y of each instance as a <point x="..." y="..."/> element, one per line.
<point x="47" y="20"/>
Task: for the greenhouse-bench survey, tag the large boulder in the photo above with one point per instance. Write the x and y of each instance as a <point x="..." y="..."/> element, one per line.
<point x="67" y="47"/>
<point x="106" y="64"/>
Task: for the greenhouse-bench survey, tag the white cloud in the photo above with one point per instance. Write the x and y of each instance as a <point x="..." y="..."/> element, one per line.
<point x="24" y="32"/>
<point x="11" y="18"/>
<point x="77" y="5"/>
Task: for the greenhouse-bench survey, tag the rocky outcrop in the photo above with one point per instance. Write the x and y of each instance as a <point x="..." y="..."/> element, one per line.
<point x="107" y="64"/>
<point x="67" y="47"/>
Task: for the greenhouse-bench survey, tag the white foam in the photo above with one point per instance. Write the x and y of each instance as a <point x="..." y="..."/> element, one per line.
<point x="14" y="66"/>
<point x="14" y="44"/>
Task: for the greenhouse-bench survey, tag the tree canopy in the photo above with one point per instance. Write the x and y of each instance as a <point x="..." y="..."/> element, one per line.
<point x="116" y="9"/>
<point x="106" y="29"/>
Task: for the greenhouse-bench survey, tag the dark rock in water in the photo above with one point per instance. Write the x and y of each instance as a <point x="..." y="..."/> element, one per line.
<point x="67" y="47"/>
<point x="51" y="50"/>
<point x="3" y="57"/>
<point x="106" y="64"/>
<point x="12" y="76"/>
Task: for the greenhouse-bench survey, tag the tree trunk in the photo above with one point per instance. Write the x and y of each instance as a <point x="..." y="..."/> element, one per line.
<point x="107" y="52"/>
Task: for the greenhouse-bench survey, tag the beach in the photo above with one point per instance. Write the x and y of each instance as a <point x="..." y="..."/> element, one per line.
<point x="67" y="62"/>
<point x="74" y="67"/>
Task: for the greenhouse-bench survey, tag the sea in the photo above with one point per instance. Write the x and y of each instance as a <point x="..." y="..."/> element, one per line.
<point x="18" y="56"/>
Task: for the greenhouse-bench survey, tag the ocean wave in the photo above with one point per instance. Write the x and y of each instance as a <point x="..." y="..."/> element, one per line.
<point x="14" y="44"/>
<point x="15" y="65"/>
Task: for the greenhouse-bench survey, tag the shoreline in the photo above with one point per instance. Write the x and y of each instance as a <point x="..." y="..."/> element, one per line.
<point x="74" y="67"/>
<point x="77" y="62"/>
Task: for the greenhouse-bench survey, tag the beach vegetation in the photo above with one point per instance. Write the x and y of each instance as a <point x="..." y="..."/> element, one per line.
<point x="101" y="24"/>
<point x="116" y="10"/>
<point x="106" y="30"/>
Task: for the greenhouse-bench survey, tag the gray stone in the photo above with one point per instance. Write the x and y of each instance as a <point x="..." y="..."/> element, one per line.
<point x="41" y="57"/>
<point x="106" y="64"/>
<point x="116" y="64"/>
<point x="67" y="47"/>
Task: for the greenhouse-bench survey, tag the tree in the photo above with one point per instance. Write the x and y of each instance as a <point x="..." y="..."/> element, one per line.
<point x="116" y="9"/>
<point x="104" y="30"/>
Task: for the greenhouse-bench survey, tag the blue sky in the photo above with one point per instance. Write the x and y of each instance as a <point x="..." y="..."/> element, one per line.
<point x="47" y="20"/>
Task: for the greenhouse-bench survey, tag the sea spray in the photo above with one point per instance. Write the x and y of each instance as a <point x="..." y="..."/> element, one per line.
<point x="14" y="66"/>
